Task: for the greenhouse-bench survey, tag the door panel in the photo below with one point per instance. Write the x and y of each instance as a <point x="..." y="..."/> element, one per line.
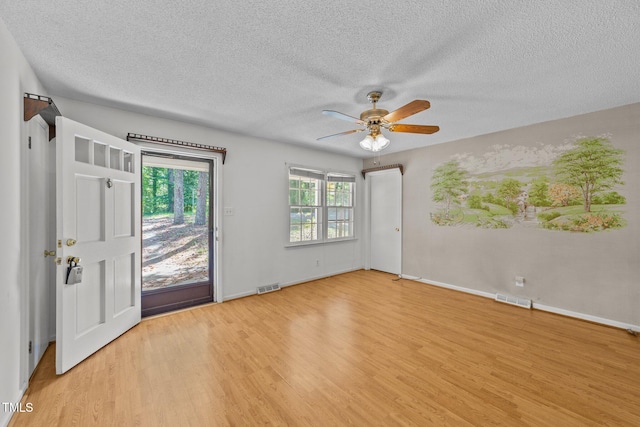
<point x="124" y="280"/>
<point x="98" y="221"/>
<point x="386" y="220"/>
<point x="89" y="209"/>
<point x="122" y="208"/>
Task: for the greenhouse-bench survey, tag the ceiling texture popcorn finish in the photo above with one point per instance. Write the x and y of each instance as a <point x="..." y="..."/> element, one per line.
<point x="268" y="68"/>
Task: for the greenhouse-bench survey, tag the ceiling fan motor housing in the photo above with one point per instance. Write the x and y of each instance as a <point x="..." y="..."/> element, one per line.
<point x="373" y="116"/>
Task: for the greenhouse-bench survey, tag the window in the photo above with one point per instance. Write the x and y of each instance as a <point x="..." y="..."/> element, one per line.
<point x="321" y="205"/>
<point x="340" y="192"/>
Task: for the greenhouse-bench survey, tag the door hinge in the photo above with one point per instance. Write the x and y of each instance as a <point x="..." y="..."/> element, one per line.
<point x="30" y="346"/>
<point x="29" y="143"/>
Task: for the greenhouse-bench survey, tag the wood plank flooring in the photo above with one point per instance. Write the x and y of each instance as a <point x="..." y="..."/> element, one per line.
<point x="355" y="349"/>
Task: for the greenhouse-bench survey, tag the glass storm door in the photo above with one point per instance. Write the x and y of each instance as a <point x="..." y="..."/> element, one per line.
<point x="177" y="242"/>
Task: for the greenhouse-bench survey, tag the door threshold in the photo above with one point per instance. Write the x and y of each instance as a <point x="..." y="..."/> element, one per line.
<point x="180" y="310"/>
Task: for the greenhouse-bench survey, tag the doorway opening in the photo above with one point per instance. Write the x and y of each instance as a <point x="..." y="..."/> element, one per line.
<point x="177" y="232"/>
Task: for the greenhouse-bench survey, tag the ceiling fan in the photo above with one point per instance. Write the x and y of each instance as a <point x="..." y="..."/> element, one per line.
<point x="376" y="119"/>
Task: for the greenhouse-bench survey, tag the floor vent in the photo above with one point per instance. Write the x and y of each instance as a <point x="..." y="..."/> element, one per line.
<point x="520" y="302"/>
<point x="268" y="288"/>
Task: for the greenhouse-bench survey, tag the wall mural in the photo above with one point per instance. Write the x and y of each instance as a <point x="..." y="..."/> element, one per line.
<point x="569" y="187"/>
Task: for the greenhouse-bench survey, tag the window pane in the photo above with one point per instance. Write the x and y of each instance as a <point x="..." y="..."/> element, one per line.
<point x="331" y="198"/>
<point x="304" y="197"/>
<point x="346" y="201"/>
<point x="294" y="183"/>
<point x="309" y="231"/>
<point x="294" y="233"/>
<point x="296" y="217"/>
<point x="294" y="197"/>
<point x="331" y="230"/>
<point x="331" y="214"/>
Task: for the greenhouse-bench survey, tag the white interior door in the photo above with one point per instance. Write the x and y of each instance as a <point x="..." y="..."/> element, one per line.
<point x="98" y="221"/>
<point x="386" y="220"/>
<point x="40" y="209"/>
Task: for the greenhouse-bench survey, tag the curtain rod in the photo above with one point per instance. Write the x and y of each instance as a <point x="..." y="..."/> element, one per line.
<point x="155" y="139"/>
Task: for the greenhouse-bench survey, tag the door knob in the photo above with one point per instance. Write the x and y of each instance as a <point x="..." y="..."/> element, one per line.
<point x="49" y="253"/>
<point x="73" y="259"/>
<point x="71" y="242"/>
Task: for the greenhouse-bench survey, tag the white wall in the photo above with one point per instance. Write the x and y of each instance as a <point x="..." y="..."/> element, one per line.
<point x="16" y="77"/>
<point x="255" y="185"/>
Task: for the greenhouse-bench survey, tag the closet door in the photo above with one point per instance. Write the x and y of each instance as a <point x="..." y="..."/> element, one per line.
<point x="386" y="220"/>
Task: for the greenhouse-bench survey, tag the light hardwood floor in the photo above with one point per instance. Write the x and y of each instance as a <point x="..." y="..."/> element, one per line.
<point x="354" y="349"/>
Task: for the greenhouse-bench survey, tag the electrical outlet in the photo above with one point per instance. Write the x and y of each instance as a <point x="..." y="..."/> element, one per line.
<point x="520" y="281"/>
<point x="228" y="211"/>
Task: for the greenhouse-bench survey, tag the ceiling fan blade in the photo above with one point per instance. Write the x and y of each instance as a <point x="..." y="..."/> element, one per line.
<point x="414" y="128"/>
<point x="408" y="110"/>
<point x="339" y="134"/>
<point x="342" y="116"/>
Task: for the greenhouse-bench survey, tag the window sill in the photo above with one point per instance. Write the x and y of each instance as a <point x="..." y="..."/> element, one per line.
<point x="319" y="242"/>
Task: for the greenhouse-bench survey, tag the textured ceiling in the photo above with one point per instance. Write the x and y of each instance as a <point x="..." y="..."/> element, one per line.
<point x="268" y="68"/>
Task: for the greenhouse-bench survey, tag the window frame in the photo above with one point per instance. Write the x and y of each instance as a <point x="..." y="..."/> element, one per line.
<point x="323" y="207"/>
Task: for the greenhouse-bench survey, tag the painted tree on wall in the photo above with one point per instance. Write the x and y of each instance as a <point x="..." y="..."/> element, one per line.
<point x="508" y="191"/>
<point x="449" y="182"/>
<point x="593" y="166"/>
<point x="562" y="194"/>
<point x="539" y="192"/>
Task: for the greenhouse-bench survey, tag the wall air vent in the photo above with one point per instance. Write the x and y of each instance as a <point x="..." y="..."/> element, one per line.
<point x="508" y="299"/>
<point x="268" y="288"/>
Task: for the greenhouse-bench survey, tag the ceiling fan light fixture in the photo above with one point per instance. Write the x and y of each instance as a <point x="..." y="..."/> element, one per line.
<point x="367" y="143"/>
<point x="380" y="143"/>
<point x="377" y="143"/>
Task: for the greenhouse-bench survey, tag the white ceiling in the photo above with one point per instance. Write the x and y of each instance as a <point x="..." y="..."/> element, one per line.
<point x="268" y="68"/>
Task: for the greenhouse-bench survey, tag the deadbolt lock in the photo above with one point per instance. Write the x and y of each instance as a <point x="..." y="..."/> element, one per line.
<point x="73" y="259"/>
<point x="71" y="242"/>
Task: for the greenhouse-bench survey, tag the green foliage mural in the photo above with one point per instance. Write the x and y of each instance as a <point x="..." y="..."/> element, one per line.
<point x="448" y="185"/>
<point x="568" y="187"/>
<point x="593" y="165"/>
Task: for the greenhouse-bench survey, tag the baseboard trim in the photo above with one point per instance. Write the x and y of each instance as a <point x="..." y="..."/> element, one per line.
<point x="587" y="317"/>
<point x="535" y="305"/>
<point x="448" y="286"/>
<point x="292" y="283"/>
